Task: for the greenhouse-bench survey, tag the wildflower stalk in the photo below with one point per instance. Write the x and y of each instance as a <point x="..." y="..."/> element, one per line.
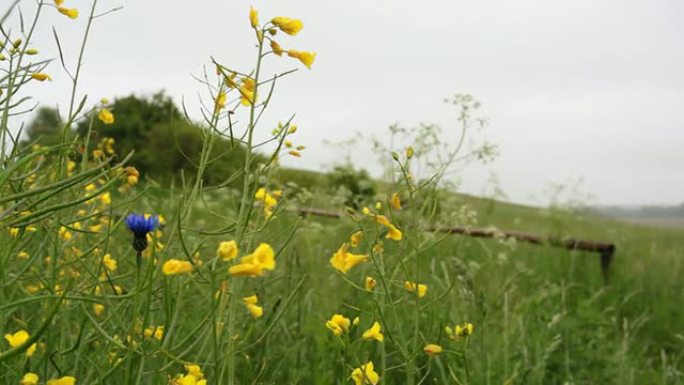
<point x="12" y="77"/>
<point x="71" y="117"/>
<point x="243" y="215"/>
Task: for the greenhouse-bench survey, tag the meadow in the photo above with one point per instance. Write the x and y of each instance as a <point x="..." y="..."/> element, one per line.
<point x="110" y="276"/>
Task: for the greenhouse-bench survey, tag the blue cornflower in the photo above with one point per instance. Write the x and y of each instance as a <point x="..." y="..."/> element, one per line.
<point x="140" y="226"/>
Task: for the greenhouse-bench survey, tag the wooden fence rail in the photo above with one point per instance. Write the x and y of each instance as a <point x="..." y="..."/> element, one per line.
<point x="605" y="250"/>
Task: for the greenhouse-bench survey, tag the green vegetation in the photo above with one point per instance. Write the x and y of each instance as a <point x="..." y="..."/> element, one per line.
<point x="223" y="282"/>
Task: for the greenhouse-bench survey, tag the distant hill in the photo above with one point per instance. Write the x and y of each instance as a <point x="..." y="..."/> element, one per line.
<point x="657" y="215"/>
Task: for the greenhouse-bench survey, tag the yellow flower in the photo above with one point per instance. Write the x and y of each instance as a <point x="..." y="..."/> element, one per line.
<point x="342" y="260"/>
<point x="365" y="375"/>
<point x="71" y="13"/>
<point x="432" y="349"/>
<point x="295" y="153"/>
<point x="64" y="233"/>
<point x="154" y="331"/>
<point x="409" y="152"/>
<point x="288" y="25"/>
<point x="374" y="333"/>
<point x="251" y="300"/>
<point x="221" y="99"/>
<point x="307" y="58"/>
<point x="411" y="287"/>
<point x="109" y="262"/>
<point x="252" y="265"/>
<point x="23" y="255"/>
<point x="378" y="205"/>
<point x="253" y="17"/>
<point x="188" y="379"/>
<point x="59" y="2"/>
<point x="175" y="266"/>
<point x="227" y="250"/>
<point x="19" y="338"/>
<point x="106" y="199"/>
<point x="109" y="143"/>
<point x="381" y="219"/>
<point x="263" y="196"/>
<point x="370" y="283"/>
<point x="394" y="233"/>
<point x="338" y="324"/>
<point x="132" y="175"/>
<point x="463" y="330"/>
<point x="395" y="201"/>
<point x="276" y="48"/>
<point x="106" y="116"/>
<point x="41" y="77"/>
<point x="254" y="309"/>
<point x="356" y="238"/>
<point x="98" y="309"/>
<point x="29" y="379"/>
<point x="247" y="91"/>
<point x="194" y="370"/>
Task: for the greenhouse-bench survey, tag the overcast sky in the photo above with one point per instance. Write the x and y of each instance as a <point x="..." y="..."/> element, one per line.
<point x="581" y="89"/>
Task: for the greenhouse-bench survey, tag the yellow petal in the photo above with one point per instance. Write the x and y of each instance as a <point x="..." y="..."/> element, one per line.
<point x="71" y="13"/>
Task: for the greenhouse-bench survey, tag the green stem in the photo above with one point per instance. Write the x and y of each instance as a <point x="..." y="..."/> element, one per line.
<point x="243" y="217"/>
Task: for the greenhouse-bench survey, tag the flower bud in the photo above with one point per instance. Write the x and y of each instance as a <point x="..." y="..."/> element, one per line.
<point x="395" y="156"/>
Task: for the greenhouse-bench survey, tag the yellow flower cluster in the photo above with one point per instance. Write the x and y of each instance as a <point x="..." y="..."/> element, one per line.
<point x="432" y="349"/>
<point x="251" y="304"/>
<point x="227" y="250"/>
<point x="255" y="264"/>
<point x="460" y="331"/>
<point x="393" y="232"/>
<point x="356" y="238"/>
<point x="269" y="200"/>
<point x="374" y="333"/>
<point x="193" y="376"/>
<point x="18" y="339"/>
<point x="175" y="267"/>
<point x="287" y="25"/>
<point x="154" y="331"/>
<point x="370" y="283"/>
<point x="29" y="379"/>
<point x="365" y="374"/>
<point x="338" y="324"/>
<point x="105" y="116"/>
<point x="343" y="260"/>
<point x="412" y="287"/>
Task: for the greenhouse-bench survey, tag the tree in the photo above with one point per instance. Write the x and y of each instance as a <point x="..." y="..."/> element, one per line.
<point x="164" y="142"/>
<point x="44" y="128"/>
